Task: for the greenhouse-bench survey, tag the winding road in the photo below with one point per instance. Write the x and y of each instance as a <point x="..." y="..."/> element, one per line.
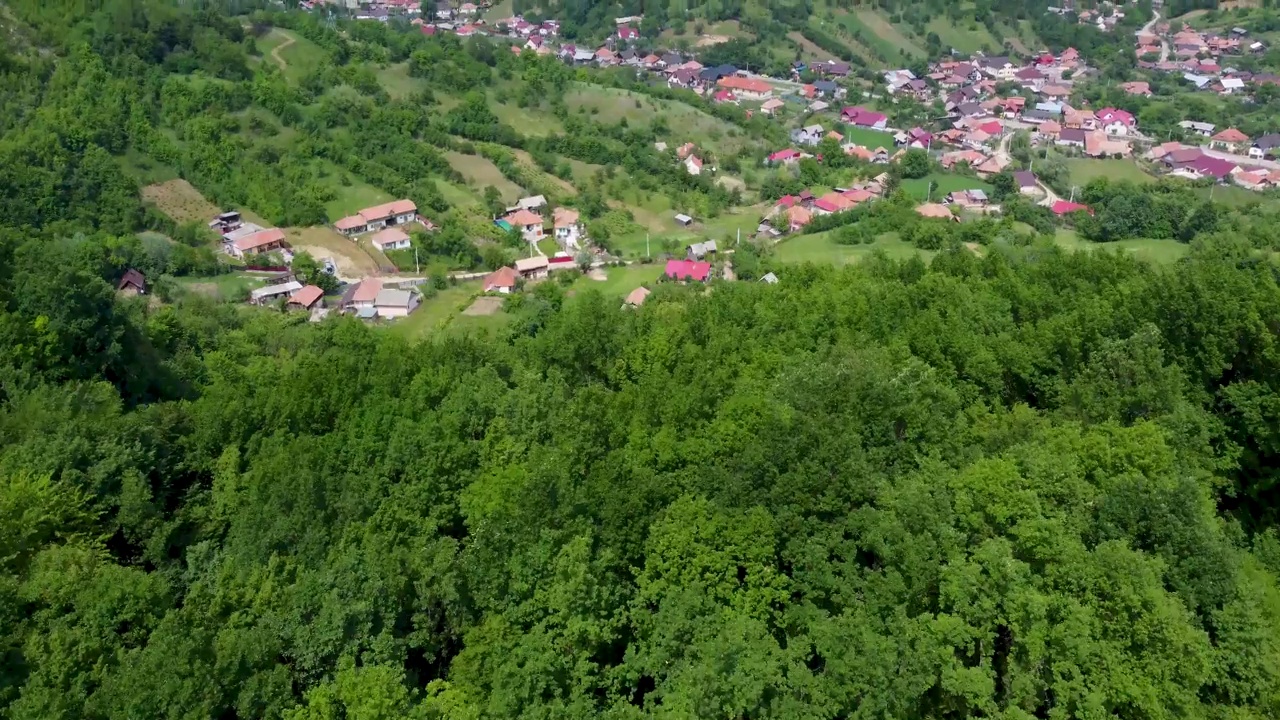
<point x="1164" y="44"/>
<point x="275" y="51"/>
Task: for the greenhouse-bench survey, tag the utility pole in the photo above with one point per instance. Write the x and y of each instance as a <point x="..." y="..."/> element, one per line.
<point x="416" y="267"/>
<point x="646" y="245"/>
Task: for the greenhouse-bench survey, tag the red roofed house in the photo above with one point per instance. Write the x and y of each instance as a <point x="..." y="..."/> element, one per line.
<point x="746" y="88"/>
<point x="528" y="223"/>
<point x="832" y="203"/>
<point x="626" y="32"/>
<point x="306" y="298"/>
<point x="397" y="212"/>
<point x="1115" y="122"/>
<point x="688" y="270"/>
<point x="786" y="157"/>
<point x="1231" y="140"/>
<point x="862" y="117"/>
<point x="693" y="165"/>
<point x="1137" y="88"/>
<point x="1064" y="207"/>
<point x="858" y="195"/>
<point x="503" y="280"/>
<point x="726" y="96"/>
<point x="263" y="241"/>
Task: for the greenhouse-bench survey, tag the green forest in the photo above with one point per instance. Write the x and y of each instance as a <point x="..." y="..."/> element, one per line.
<point x="1022" y="483"/>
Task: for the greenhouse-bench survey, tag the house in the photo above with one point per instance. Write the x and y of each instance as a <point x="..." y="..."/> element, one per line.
<point x="864" y="118"/>
<point x="771" y="106"/>
<point x="262" y="241"/>
<point x="935" y="210"/>
<point x="533" y="268"/>
<point x="1114" y="121"/>
<point x="503" y="280"/>
<point x="828" y="88"/>
<point x="797" y="217"/>
<point x="1231" y="140"/>
<point x="361" y="296"/>
<point x="746" y="88"/>
<point x="132" y="283"/>
<point x="1264" y="146"/>
<point x="1138" y="88"/>
<point x="395" y="303"/>
<point x="1066" y="207"/>
<point x="993" y="165"/>
<point x="968" y="198"/>
<point x="698" y="251"/>
<point x="971" y="157"/>
<point x="528" y="223"/>
<point x="857" y="196"/>
<point x="1231" y="86"/>
<point x="636" y="297"/>
<point x="683" y="220"/>
<point x="1202" y="129"/>
<point x="397" y="212"/>
<point x="264" y="295"/>
<point x="831" y="203"/>
<point x="790" y="156"/>
<point x="809" y="135"/>
<point x="532" y="203"/>
<point x="688" y="270"/>
<point x="725" y="96"/>
<point x="1026" y="182"/>
<point x="626" y="33"/>
<point x="693" y="165"/>
<point x="1071" y="137"/>
<point x="1099" y="145"/>
<point x="225" y="222"/>
<point x="306" y="298"/>
<point x="568" y="228"/>
<point x="1206" y="166"/>
<point x="1049" y="130"/>
<point x="392" y="238"/>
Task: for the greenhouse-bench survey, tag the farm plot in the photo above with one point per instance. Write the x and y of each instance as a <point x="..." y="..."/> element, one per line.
<point x="180" y="200"/>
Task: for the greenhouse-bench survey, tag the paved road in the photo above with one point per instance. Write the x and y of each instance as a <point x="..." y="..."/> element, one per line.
<point x="1164" y="44"/>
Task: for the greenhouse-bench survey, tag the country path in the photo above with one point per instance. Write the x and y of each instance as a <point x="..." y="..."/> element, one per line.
<point x="275" y="52"/>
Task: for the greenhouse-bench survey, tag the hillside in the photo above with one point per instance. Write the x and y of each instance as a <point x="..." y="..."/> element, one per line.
<point x="829" y="407"/>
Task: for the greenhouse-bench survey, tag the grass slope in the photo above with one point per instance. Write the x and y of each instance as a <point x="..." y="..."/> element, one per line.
<point x="1083" y="170"/>
<point x="943" y="183"/>
<point x="686" y="122"/>
<point x="481" y="172"/>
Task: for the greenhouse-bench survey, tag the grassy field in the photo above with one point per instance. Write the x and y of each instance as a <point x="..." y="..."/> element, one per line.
<point x="351" y="196"/>
<point x="180" y="200"/>
<point x="1083" y="170"/>
<point x="655" y="216"/>
<point x="821" y="248"/>
<point x="481" y="172"/>
<point x="145" y="170"/>
<point x="967" y="37"/>
<point x="1156" y="251"/>
<point x="436" y="312"/>
<point x="456" y="195"/>
<point x="943" y="183"/>
<point x="231" y="287"/>
<point x="621" y="280"/>
<point x="529" y="121"/>
<point x="296" y="56"/>
<point x="396" y="81"/>
<point x="686" y="123"/>
<point x="869" y="138"/>
<point x="877" y="33"/>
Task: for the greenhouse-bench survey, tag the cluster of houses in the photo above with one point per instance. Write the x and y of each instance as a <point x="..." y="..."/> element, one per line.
<point x="792" y="212"/>
<point x="1202" y="59"/>
<point x="526" y="217"/>
<point x="386" y="222"/>
<point x="1194" y="163"/>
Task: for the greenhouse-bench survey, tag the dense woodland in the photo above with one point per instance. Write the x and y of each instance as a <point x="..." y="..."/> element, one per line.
<point x="1031" y="484"/>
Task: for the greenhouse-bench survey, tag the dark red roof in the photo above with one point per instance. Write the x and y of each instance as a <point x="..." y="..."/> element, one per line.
<point x="1062" y="207"/>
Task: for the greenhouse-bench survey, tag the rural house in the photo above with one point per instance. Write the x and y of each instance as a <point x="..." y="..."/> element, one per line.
<point x="375" y="218"/>
<point x="746" y="88"/>
<point x="533" y="268"/>
<point x="864" y="118"/>
<point x="503" y="280"/>
<point x="636" y="297"/>
<point x="395" y="303"/>
<point x="686" y="270"/>
<point x="568" y="229"/>
<point x="306" y="298"/>
<point x="528" y="223"/>
<point x="132" y="283"/>
<point x="262" y="241"/>
<point x="698" y="251"/>
<point x="392" y="238"/>
<point x="264" y="295"/>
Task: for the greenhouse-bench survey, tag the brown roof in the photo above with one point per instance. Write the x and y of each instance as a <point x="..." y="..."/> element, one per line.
<point x="307" y="296"/>
<point x="367" y="290"/>
<point x="389" y="235"/>
<point x="259" y="239"/>
<point x="934" y="210"/>
<point x="523" y="217"/>
<point x="1231" y="135"/>
<point x="637" y="296"/>
<point x="733" y="82"/>
<point x="502" y="277"/>
<point x="351" y="222"/>
<point x="386" y="210"/>
<point x="564" y="217"/>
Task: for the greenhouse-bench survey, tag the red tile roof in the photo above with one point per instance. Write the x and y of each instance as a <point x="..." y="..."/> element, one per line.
<point x="503" y="277"/>
<point x="733" y="82"/>
<point x="682" y="269"/>
<point x="386" y="210"/>
<point x="1062" y="207"/>
<point x="307" y="296"/>
<point x="259" y="239"/>
<point x="367" y="290"/>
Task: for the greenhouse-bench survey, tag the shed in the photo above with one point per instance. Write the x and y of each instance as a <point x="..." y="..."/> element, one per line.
<point x="684" y="220"/>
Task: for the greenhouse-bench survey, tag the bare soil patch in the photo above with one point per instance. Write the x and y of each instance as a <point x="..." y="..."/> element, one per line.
<point x="484" y="305"/>
<point x="180" y="200"/>
<point x="709" y="40"/>
<point x="598" y="275"/>
<point x="352" y="260"/>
